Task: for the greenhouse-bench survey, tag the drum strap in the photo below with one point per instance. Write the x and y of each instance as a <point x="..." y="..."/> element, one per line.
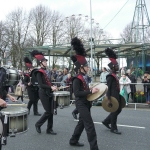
<point x="118" y="87"/>
<point x="27" y="75"/>
<point x="83" y="81"/>
<point x="46" y="77"/>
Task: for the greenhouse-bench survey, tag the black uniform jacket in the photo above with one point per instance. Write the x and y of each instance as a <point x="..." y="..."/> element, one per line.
<point x="42" y="83"/>
<point x="79" y="91"/>
<point x="113" y="87"/>
<point x="3" y="93"/>
<point x="133" y="80"/>
<point x="26" y="81"/>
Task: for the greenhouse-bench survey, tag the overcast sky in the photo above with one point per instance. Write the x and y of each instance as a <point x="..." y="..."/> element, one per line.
<point x="102" y="10"/>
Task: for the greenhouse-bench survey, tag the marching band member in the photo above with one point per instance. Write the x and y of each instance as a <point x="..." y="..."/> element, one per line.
<point x="45" y="93"/>
<point x="81" y="90"/>
<point x="31" y="89"/>
<point x="113" y="90"/>
<point x="3" y="104"/>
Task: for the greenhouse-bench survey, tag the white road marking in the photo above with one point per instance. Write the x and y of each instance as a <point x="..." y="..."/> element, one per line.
<point x="127" y="126"/>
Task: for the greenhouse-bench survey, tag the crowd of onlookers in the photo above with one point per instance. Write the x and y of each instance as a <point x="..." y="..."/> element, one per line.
<point x="127" y="80"/>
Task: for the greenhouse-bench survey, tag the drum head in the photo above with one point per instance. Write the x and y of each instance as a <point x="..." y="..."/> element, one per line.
<point x="14" y="111"/>
<point x="102" y="90"/>
<point x="61" y="93"/>
<point x="123" y="102"/>
<point x="114" y="107"/>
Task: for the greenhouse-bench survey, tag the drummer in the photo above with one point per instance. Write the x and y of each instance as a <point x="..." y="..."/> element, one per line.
<point x="81" y="90"/>
<point x="45" y="93"/>
<point x="31" y="89"/>
<point x="113" y="90"/>
<point x="3" y="104"/>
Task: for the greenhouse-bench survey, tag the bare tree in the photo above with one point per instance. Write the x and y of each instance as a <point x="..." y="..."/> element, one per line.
<point x="17" y="24"/>
<point x="126" y="34"/>
<point x="41" y="26"/>
<point x="3" y="43"/>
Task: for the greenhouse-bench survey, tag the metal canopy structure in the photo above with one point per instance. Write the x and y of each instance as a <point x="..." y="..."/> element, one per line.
<point x="122" y="49"/>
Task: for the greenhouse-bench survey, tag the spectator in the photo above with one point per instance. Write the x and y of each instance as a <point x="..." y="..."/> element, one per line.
<point x="65" y="72"/>
<point x="59" y="78"/>
<point x="68" y="81"/>
<point x="21" y="84"/>
<point x="125" y="87"/>
<point x="146" y="87"/>
<point x="132" y="86"/>
<point x="133" y="72"/>
<point x="89" y="75"/>
<point x="122" y="71"/>
<point x="103" y="75"/>
<point x="53" y="75"/>
<point x="139" y="73"/>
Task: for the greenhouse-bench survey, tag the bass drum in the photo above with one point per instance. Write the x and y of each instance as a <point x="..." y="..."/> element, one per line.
<point x="33" y="77"/>
<point x="9" y="76"/>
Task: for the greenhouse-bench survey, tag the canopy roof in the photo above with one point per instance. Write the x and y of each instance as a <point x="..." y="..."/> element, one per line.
<point x="122" y="49"/>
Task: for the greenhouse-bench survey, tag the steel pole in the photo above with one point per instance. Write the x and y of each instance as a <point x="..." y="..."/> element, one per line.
<point x="91" y="62"/>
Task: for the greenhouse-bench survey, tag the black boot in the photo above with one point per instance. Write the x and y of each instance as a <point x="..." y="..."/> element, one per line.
<point x="37" y="114"/>
<point x="35" y="109"/>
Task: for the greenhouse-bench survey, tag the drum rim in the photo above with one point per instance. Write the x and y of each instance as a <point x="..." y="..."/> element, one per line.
<point x="13" y="112"/>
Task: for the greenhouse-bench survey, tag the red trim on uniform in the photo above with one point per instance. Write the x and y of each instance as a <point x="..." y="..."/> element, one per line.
<point x="45" y="76"/>
<point x="27" y="75"/>
<point x="117" y="80"/>
<point x="79" y="76"/>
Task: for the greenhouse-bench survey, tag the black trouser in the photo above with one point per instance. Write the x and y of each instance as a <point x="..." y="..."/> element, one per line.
<point x="33" y="99"/>
<point x="112" y="118"/>
<point x="47" y="105"/>
<point x="20" y="97"/>
<point x="85" y="121"/>
<point x="75" y="111"/>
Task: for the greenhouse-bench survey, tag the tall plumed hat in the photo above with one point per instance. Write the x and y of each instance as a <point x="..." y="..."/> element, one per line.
<point x="79" y="59"/>
<point x="28" y="62"/>
<point x="112" y="57"/>
<point x="38" y="55"/>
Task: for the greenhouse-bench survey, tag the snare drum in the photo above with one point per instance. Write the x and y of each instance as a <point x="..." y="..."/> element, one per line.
<point x="10" y="76"/>
<point x="63" y="97"/>
<point x="17" y="117"/>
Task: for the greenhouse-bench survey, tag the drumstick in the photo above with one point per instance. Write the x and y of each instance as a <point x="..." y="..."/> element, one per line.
<point x="94" y="85"/>
<point x="62" y="87"/>
<point x="16" y="104"/>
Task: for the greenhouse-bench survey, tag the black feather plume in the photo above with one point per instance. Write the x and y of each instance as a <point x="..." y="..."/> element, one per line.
<point x="110" y="53"/>
<point x="27" y="60"/>
<point x="35" y="52"/>
<point x="73" y="58"/>
<point x="78" y="46"/>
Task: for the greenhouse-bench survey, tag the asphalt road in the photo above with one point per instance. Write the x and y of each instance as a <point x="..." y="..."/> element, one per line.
<point x="134" y="125"/>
